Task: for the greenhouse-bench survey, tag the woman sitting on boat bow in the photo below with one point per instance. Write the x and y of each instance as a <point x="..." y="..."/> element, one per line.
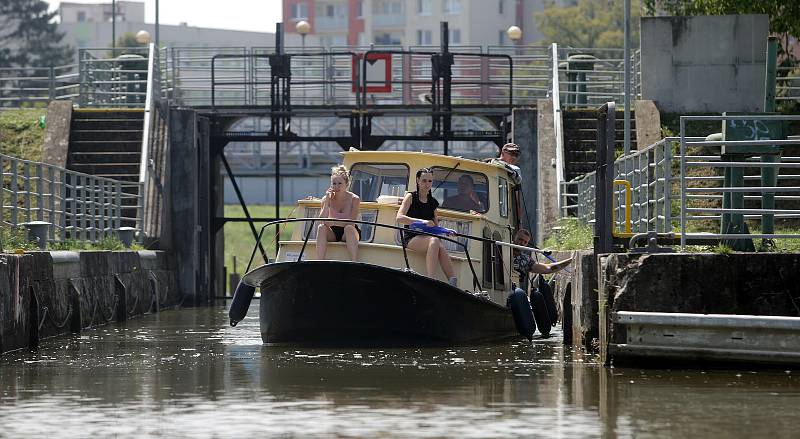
<point x="420" y="206"/>
<point x="340" y="203"/>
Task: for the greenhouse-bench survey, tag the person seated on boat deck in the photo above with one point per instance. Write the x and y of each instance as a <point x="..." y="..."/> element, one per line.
<point x="340" y="203"/>
<point x="420" y="206"/>
<point x="466" y="199"/>
<point x="524" y="262"/>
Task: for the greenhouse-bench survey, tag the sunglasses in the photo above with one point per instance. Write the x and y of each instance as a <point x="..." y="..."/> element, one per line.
<point x="514" y="153"/>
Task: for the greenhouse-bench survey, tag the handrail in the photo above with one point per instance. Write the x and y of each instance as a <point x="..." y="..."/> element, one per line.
<point x="476" y="282"/>
<point x="557" y="124"/>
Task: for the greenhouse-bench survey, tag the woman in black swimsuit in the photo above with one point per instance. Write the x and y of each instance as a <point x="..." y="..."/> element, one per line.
<point x="339" y="203"/>
<point x="420" y="206"/>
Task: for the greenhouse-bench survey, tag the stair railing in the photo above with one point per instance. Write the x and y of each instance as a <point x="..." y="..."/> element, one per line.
<point x="153" y="138"/>
<point x="557" y="123"/>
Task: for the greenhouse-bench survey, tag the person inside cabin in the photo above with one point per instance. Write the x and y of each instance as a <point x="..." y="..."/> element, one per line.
<point x="466" y="199"/>
<point x="339" y="203"/>
<point x="524" y="262"/>
<point x="420" y="206"/>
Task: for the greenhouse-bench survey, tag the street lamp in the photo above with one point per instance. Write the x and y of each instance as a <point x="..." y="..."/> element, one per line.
<point x="143" y="37"/>
<point x="514" y="33"/>
<point x="303" y="28"/>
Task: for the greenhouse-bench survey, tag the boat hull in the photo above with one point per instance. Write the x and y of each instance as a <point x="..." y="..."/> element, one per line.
<point x="353" y="303"/>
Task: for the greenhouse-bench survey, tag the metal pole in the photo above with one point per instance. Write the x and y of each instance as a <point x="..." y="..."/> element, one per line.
<point x="627" y="77"/>
<point x="769" y="175"/>
<point x="157" y="40"/>
<point x="113" y="24"/>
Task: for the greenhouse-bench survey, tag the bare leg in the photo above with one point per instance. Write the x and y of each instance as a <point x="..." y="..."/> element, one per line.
<point x="423" y="244"/>
<point x="351" y="240"/>
<point x="324" y="234"/>
<point x="446" y="262"/>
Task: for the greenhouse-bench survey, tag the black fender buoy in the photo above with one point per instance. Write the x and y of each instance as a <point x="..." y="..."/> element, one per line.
<point x="520" y="308"/>
<point x="539" y="307"/>
<point x="547" y="288"/>
<point x="241" y="302"/>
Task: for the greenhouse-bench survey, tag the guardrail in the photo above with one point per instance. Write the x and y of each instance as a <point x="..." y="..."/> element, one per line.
<point x="719" y="194"/>
<point x="663" y="198"/>
<point x="593" y="76"/>
<point x="20" y="86"/>
<point x="79" y="206"/>
<point x="114" y="78"/>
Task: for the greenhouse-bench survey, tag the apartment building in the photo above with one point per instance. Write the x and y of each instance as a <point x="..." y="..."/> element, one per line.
<point x="89" y="26"/>
<point x="412" y="22"/>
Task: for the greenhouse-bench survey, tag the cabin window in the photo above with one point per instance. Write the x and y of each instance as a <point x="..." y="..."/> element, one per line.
<point x="502" y="198"/>
<point x="462" y="227"/>
<point x="459" y="190"/>
<point x="371" y="180"/>
<point x="367" y="230"/>
<point x="486" y="261"/>
<point x="497" y="263"/>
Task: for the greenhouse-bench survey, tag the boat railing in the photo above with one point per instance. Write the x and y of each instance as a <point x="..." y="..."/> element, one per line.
<point x="475" y="281"/>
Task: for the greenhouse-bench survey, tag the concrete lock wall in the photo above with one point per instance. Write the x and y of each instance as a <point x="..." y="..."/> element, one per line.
<point x="43" y="294"/>
<point x="741" y="283"/>
<point x="707" y="64"/>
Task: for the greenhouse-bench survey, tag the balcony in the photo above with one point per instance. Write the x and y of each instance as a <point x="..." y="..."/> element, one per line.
<point x="325" y="23"/>
<point x="388" y="20"/>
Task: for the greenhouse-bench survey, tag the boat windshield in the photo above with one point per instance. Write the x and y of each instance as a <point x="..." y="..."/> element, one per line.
<point x="371" y="180"/>
<point x="460" y="190"/>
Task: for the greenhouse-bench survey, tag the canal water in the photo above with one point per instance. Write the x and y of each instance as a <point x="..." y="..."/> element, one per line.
<point x="186" y="374"/>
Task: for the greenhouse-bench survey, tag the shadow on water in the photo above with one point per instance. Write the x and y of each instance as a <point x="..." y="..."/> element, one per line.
<point x="187" y="374"/>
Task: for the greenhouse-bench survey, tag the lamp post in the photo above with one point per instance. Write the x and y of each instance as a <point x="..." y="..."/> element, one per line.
<point x="303" y="28"/>
<point x="515" y="35"/>
<point x="143" y="37"/>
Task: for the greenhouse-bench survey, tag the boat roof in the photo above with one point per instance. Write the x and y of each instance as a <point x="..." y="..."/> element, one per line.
<point x="420" y="159"/>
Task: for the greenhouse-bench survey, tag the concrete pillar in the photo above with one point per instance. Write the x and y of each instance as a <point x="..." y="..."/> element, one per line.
<point x="648" y="123"/>
<point x="525" y="135"/>
<point x="184" y="198"/>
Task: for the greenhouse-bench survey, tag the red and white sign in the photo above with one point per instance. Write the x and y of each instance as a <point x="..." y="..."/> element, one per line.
<point x="378" y="72"/>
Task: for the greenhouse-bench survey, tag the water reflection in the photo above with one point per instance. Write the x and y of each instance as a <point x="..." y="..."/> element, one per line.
<point x="186" y="374"/>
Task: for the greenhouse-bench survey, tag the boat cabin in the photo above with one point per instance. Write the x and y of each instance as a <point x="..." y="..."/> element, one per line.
<point x="382" y="178"/>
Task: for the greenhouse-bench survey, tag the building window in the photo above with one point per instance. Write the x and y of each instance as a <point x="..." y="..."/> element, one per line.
<point x="360" y="9"/>
<point x="329" y="11"/>
<point x="424" y="37"/>
<point x="424" y="7"/>
<point x="299" y="11"/>
<point x="500" y="6"/>
<point x="388" y="39"/>
<point x="81" y="16"/>
<point x="388" y="7"/>
<point x="451" y="6"/>
<point x="454" y="36"/>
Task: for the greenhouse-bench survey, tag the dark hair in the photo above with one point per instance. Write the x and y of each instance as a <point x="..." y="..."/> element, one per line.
<point x="423" y="171"/>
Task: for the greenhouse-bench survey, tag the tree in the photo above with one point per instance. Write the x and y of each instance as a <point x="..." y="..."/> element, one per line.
<point x="29" y="37"/>
<point x="588" y="23"/>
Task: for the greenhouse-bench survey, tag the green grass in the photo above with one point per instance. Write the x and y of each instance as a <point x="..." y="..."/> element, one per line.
<point x="20" y="133"/>
<point x="570" y="234"/>
<point x="239" y="240"/>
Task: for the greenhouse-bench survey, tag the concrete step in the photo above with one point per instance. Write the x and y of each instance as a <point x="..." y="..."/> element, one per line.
<point x="590" y="113"/>
<point x="108" y="114"/>
<point x="106" y="134"/>
<point x="105" y="146"/>
<point x="121" y="124"/>
<point x="109" y="170"/>
<point x="104" y="157"/>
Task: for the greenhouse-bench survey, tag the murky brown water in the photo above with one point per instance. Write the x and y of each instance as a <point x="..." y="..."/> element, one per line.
<point x="187" y="374"/>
